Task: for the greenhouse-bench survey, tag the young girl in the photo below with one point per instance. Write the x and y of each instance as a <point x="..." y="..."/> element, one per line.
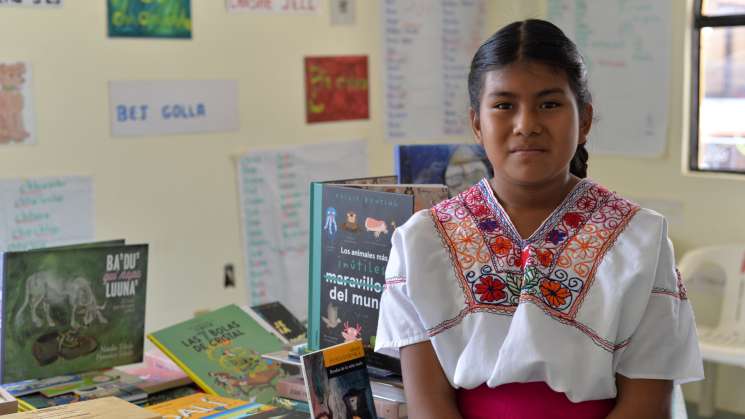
<point x="537" y="293"/>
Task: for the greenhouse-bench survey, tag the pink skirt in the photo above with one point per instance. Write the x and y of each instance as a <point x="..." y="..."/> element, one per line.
<point x="527" y="401"/>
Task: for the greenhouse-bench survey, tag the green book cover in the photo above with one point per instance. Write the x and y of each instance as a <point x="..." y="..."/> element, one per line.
<point x="67" y="310"/>
<point x="221" y="352"/>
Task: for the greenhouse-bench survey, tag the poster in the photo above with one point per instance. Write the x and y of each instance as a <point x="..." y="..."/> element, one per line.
<point x="336" y="88"/>
<point x="274" y="190"/>
<point x="149" y="19"/>
<point x="16" y="109"/>
<point x="156" y="107"/>
<point x="286" y="7"/>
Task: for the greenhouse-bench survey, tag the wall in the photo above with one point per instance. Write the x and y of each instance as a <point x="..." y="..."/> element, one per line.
<point x="179" y="192"/>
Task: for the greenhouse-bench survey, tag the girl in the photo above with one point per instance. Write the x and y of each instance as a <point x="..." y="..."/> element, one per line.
<point x="537" y="293"/>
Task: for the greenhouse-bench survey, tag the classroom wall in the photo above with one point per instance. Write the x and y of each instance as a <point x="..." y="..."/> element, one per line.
<point x="179" y="194"/>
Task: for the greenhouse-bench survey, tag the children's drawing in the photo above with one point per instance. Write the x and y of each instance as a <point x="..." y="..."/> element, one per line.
<point x="14" y="105"/>
<point x="377" y="227"/>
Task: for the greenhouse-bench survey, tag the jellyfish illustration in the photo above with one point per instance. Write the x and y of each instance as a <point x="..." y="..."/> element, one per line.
<point x="330" y="225"/>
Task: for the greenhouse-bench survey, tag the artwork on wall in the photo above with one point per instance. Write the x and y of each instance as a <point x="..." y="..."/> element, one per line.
<point x="343" y="12"/>
<point x="32" y="3"/>
<point x="289" y="7"/>
<point x="336" y="88"/>
<point x="149" y="19"/>
<point x="16" y="111"/>
<point x="156" y="107"/>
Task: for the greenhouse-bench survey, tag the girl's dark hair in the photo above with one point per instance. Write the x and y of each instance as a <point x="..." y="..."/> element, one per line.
<point x="539" y="41"/>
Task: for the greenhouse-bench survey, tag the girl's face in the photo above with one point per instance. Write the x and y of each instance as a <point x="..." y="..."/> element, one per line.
<point x="529" y="123"/>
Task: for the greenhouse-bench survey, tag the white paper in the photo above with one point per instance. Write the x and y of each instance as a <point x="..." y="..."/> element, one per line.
<point x="16" y="111"/>
<point x="32" y="3"/>
<point x="43" y="212"/>
<point x="427" y="49"/>
<point x="626" y="44"/>
<point x="173" y="107"/>
<point x="343" y="12"/>
<point x="274" y="189"/>
<point x="287" y="7"/>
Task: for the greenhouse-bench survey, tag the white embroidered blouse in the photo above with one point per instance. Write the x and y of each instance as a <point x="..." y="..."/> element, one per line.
<point x="593" y="292"/>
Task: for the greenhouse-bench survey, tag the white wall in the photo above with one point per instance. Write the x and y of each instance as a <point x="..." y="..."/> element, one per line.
<point x="179" y="192"/>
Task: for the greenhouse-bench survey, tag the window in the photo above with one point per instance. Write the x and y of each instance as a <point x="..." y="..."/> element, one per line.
<point x="718" y="78"/>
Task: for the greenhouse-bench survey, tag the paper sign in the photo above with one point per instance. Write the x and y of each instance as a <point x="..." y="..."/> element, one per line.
<point x="42" y="212"/>
<point x="290" y="7"/>
<point x="32" y="3"/>
<point x="274" y="188"/>
<point x="173" y="107"/>
<point x="343" y="12"/>
<point x="16" y="110"/>
<point x="336" y="88"/>
<point x="149" y="19"/>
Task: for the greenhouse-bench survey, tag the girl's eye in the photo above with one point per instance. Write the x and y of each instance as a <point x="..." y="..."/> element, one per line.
<point x="503" y="106"/>
<point x="550" y="105"/>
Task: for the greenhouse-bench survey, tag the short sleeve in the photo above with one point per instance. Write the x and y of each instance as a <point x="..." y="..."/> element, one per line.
<point x="399" y="323"/>
<point x="664" y="344"/>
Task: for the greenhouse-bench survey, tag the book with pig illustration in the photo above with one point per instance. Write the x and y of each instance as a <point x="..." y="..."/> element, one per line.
<point x="351" y="229"/>
<point x="221" y="352"/>
<point x="72" y="309"/>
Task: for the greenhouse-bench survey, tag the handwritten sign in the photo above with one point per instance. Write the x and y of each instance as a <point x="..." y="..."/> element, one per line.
<point x="16" y="109"/>
<point x="274" y="188"/>
<point x="336" y="88"/>
<point x="42" y="212"/>
<point x="625" y="40"/>
<point x="427" y="50"/>
<point x="293" y="7"/>
<point x="173" y="107"/>
<point x="32" y="3"/>
<point x="149" y="18"/>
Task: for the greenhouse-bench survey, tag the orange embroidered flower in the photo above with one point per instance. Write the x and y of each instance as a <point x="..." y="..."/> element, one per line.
<point x="573" y="219"/>
<point x="554" y="293"/>
<point x="501" y="246"/>
<point x="545" y="257"/>
<point x="490" y="288"/>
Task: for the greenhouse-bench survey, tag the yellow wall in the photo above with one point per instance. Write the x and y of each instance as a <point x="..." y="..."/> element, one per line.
<point x="179" y="192"/>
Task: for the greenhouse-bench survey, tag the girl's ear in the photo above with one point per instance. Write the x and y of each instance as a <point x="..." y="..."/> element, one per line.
<point x="585" y="123"/>
<point x="476" y="126"/>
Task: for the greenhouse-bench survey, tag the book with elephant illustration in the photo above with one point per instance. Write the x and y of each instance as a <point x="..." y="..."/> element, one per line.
<point x="72" y="309"/>
<point x="221" y="352"/>
<point x="351" y="227"/>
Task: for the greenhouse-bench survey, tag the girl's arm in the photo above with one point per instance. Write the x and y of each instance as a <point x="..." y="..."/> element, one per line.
<point x="428" y="392"/>
<point x="642" y="398"/>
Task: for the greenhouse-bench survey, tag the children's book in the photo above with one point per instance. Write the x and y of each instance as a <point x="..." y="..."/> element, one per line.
<point x="108" y="408"/>
<point x="259" y="411"/>
<point x="279" y="321"/>
<point x="156" y="372"/>
<point x="351" y="230"/>
<point x="221" y="352"/>
<point x="170" y="394"/>
<point x="72" y="309"/>
<point x="289" y="404"/>
<point x="337" y="382"/>
<point x="8" y="403"/>
<point x="196" y="406"/>
<point x="120" y="390"/>
<point x="459" y="166"/>
<point x="26" y="387"/>
<point x="87" y="380"/>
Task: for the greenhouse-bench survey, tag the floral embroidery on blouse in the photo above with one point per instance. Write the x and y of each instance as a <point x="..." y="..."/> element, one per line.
<point x="554" y="268"/>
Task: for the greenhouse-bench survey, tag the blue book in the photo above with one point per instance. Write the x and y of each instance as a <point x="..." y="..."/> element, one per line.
<point x="459" y="166"/>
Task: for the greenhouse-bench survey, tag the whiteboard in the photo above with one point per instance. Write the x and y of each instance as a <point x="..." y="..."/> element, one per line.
<point x="274" y="189"/>
<point x="626" y="44"/>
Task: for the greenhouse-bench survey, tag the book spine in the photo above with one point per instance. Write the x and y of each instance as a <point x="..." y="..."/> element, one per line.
<point x="314" y="253"/>
<point x="194" y="377"/>
<point x="387" y="409"/>
<point x="292" y="389"/>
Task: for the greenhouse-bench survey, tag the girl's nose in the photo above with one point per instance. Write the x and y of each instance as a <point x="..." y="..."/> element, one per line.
<point x="527" y="123"/>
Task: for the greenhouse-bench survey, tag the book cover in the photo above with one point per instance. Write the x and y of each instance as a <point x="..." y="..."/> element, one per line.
<point x="280" y="319"/>
<point x="87" y="380"/>
<point x="117" y="389"/>
<point x="292" y="387"/>
<point x="72" y="309"/>
<point x="253" y="410"/>
<point x="221" y="352"/>
<point x="108" y="407"/>
<point x="289" y="404"/>
<point x="459" y="166"/>
<point x="156" y="372"/>
<point x="337" y="382"/>
<point x="351" y="232"/>
<point x="23" y="388"/>
<point x="196" y="406"/>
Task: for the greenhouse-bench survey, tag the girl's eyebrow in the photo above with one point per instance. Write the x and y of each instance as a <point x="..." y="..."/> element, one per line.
<point x="544" y="92"/>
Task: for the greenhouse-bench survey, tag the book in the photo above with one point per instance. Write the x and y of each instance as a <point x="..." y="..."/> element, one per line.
<point x="289" y="404"/>
<point x="337" y="382"/>
<point x="87" y="380"/>
<point x="459" y="166"/>
<point x="259" y="411"/>
<point x="350" y="237"/>
<point x="279" y="320"/>
<point x="156" y="372"/>
<point x="292" y="387"/>
<point x="221" y="352"/>
<point x="8" y="403"/>
<point x="387" y="409"/>
<point x="196" y="406"/>
<point x="169" y="394"/>
<point x="118" y="389"/>
<point x="107" y="407"/>
<point x="72" y="309"/>
<point x="23" y="388"/>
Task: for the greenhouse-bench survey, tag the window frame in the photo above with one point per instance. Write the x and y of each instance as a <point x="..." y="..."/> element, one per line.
<point x="704" y="21"/>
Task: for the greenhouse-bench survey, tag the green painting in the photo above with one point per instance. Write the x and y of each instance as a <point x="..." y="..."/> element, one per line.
<point x="72" y="310"/>
<point x="149" y="18"/>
